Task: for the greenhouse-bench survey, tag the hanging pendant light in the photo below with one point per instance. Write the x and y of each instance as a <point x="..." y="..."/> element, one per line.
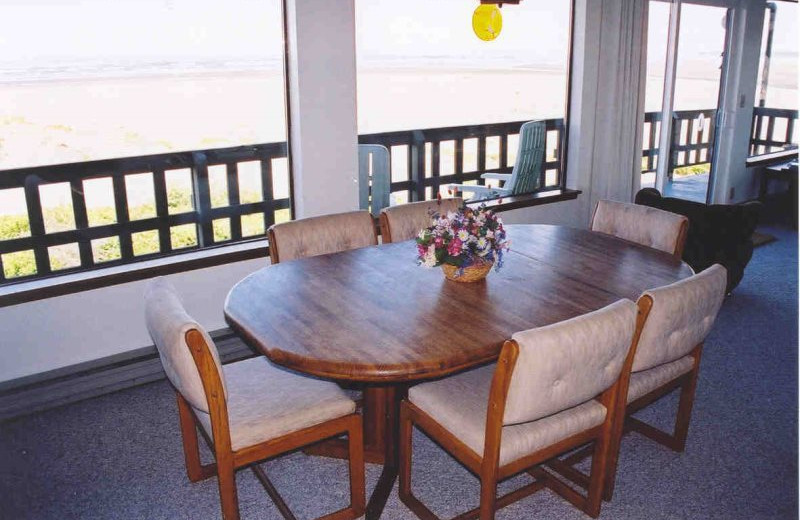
<point x="487" y="22"/>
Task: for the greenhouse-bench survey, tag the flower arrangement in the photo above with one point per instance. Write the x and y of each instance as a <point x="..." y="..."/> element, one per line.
<point x="463" y="239"/>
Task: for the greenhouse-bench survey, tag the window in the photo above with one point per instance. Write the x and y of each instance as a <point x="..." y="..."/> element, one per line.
<point x="775" y="113"/>
<point x="145" y="107"/>
<point x="449" y="105"/>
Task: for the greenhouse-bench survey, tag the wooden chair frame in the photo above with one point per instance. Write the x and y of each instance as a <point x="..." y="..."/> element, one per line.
<point x="487" y="468"/>
<point x="386" y="231"/>
<point x="680" y="242"/>
<point x="675" y="441"/>
<point x="228" y="460"/>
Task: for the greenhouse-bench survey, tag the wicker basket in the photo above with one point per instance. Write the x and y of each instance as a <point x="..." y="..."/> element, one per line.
<point x="472" y="273"/>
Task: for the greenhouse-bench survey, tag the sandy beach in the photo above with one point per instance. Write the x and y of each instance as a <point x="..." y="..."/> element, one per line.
<point x="52" y="122"/>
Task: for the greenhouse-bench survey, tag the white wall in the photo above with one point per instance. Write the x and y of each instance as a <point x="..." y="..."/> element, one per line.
<point x="56" y="332"/>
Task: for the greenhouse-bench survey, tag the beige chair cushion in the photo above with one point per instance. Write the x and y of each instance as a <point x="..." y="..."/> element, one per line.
<point x="407" y="220"/>
<point x="323" y="235"/>
<point x="567" y="363"/>
<point x="459" y="404"/>
<point x="265" y="402"/>
<point x="681" y="317"/>
<point x="168" y="324"/>
<point x="644" y="225"/>
<point x="646" y="381"/>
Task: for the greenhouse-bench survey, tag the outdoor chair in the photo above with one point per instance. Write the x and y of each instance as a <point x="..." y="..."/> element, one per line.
<point x="405" y="221"/>
<point x="679" y="316"/>
<point x="643" y="225"/>
<point x="247" y="411"/>
<point x="321" y="235"/>
<point x="374" y="178"/>
<point x="554" y="388"/>
<point x="526" y="174"/>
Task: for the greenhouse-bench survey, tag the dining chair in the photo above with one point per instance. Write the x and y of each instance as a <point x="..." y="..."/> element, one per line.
<point x="405" y="221"/>
<point x="321" y="235"/>
<point x="643" y="225"/>
<point x="553" y="388"/>
<point x="679" y="316"/>
<point x="668" y="354"/>
<point x="525" y="176"/>
<point x="247" y="411"/>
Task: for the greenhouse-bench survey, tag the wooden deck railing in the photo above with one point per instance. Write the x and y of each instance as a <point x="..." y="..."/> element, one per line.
<point x="129" y="230"/>
<point x="772" y="129"/>
<point x="81" y="234"/>
<point x="425" y="160"/>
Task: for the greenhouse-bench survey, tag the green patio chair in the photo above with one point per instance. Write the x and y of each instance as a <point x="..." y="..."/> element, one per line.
<point x="526" y="174"/>
<point x="374" y="177"/>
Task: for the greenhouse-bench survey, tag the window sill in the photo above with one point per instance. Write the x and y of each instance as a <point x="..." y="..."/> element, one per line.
<point x="529" y="200"/>
<point x="33" y="290"/>
<point x="769" y="159"/>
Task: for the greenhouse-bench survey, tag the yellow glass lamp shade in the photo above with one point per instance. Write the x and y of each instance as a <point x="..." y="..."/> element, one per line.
<point x="487" y="22"/>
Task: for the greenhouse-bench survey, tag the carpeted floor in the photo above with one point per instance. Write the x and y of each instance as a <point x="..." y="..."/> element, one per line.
<point x="119" y="456"/>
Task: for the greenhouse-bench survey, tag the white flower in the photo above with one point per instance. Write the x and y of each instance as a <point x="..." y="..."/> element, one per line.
<point x="422" y="234"/>
<point x="482" y="243"/>
<point x="490" y="234"/>
<point x="463" y="235"/>
<point x="430" y="257"/>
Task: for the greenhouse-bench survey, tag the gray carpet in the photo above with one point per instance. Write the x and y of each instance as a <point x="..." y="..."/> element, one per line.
<point x="119" y="456"/>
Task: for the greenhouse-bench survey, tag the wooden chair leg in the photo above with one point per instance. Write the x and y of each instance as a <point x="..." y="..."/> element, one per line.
<point x="488" y="496"/>
<point x="685" y="410"/>
<point x="357" y="485"/>
<point x="226" y="475"/>
<point x="195" y="470"/>
<point x="404" y="469"/>
<point x="598" y="476"/>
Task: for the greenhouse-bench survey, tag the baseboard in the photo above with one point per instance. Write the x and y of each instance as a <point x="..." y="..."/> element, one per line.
<point x="98" y="377"/>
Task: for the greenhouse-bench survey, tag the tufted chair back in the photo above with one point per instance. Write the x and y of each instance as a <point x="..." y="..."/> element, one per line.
<point x="168" y="324"/>
<point x="321" y="235"/>
<point x="404" y="221"/>
<point x="565" y="364"/>
<point x="681" y="317"/>
<point x="644" y="225"/>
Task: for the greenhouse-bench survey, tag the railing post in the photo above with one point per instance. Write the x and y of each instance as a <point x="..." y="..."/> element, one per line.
<point x="36" y="220"/>
<point x="202" y="199"/>
<point x="416" y="165"/>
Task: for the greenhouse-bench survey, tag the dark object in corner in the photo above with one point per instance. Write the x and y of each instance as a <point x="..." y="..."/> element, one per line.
<point x="718" y="233"/>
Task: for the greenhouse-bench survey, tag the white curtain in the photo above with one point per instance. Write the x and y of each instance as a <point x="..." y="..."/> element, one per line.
<point x="619" y="110"/>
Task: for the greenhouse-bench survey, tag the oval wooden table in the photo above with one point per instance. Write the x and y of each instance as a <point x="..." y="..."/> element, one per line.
<point x="373" y="316"/>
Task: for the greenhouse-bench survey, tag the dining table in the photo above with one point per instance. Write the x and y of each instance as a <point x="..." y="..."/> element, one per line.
<point x="373" y="318"/>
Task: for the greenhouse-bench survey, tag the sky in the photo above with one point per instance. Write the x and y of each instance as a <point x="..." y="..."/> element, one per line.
<point x="39" y="29"/>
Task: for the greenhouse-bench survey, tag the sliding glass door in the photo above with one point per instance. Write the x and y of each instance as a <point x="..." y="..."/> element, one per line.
<point x="687" y="46"/>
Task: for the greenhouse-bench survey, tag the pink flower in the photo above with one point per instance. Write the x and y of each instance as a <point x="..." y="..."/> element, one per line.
<point x="454" y="249"/>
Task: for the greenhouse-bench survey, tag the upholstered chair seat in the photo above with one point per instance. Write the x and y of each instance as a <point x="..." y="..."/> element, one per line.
<point x="321" y="235"/>
<point x="554" y="388"/>
<point x="459" y="403"/>
<point x="643" y="225"/>
<point x="266" y="402"/>
<point x="249" y="410"/>
<point x="404" y="221"/>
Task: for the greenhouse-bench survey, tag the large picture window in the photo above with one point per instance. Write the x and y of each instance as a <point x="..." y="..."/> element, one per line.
<point x="449" y="105"/>
<point x="137" y="128"/>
